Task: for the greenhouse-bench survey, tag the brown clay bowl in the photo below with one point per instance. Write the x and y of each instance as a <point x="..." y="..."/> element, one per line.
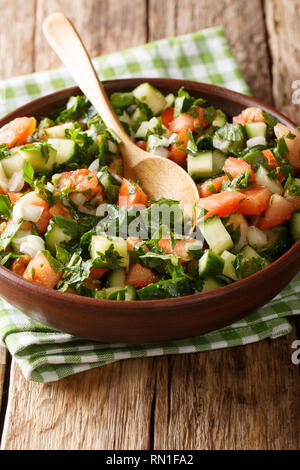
<point x="150" y="321"/>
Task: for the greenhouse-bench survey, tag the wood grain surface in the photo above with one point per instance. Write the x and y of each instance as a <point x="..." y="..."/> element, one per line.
<point x="238" y="398"/>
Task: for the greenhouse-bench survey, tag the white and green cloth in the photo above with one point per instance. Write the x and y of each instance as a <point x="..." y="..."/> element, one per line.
<point x="46" y="355"/>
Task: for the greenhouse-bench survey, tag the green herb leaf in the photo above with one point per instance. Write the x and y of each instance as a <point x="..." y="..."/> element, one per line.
<point x="28" y="173"/>
<point x="270" y="120"/>
<point x="5" y="207"/>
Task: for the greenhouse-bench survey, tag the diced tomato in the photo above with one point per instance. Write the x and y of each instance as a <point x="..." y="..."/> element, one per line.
<point x="97" y="273"/>
<point x="2" y="191"/>
<point x="182" y="122"/>
<point x="256" y="202"/>
<point x="131" y="195"/>
<point x="60" y="209"/>
<point x="235" y="167"/>
<point x="140" y="276"/>
<point x="199" y="120"/>
<point x="177" y="154"/>
<point x="131" y="242"/>
<point x="273" y="162"/>
<point x="82" y="180"/>
<point x="222" y="204"/>
<point x="17" y="131"/>
<point x="43" y="222"/>
<point x="14" y="197"/>
<point x="40" y="271"/>
<point x="33" y="199"/>
<point x="167" y="116"/>
<point x="294" y="200"/>
<point x="142" y="144"/>
<point x="248" y="115"/>
<point x="20" y="264"/>
<point x="216" y="183"/>
<point x="181" y="247"/>
<point x="278" y="212"/>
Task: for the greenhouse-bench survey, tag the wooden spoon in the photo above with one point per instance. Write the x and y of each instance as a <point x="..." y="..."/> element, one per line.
<point x="158" y="177"/>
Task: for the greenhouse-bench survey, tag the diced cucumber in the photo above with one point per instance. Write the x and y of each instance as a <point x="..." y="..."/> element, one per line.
<point x="59" y="132"/>
<point x="220" y="119"/>
<point x="65" y="150"/>
<point x="211" y="284"/>
<point x="165" y="289"/>
<point x="101" y="243"/>
<point x="54" y="236"/>
<point x="130" y="293"/>
<point x="137" y="118"/>
<point x="32" y="153"/>
<point x="228" y="269"/>
<point x="201" y="165"/>
<point x="210" y="264"/>
<point x="61" y="229"/>
<point x="256" y="129"/>
<point x="256" y="238"/>
<point x="295" y="226"/>
<point x="152" y="97"/>
<point x="4" y="183"/>
<point x="262" y="179"/>
<point x="109" y="185"/>
<point x="116" y="278"/>
<point x="218" y="160"/>
<point x="13" y="164"/>
<point x="146" y="126"/>
<point x="117" y="293"/>
<point x="256" y="141"/>
<point x="216" y="235"/>
<point x="248" y="252"/>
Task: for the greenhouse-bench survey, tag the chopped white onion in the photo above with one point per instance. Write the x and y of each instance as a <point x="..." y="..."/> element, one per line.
<point x="16" y="182"/>
<point x="112" y="147"/>
<point x="173" y="138"/>
<point x="256" y="237"/>
<point x="17" y="213"/>
<point x="86" y="210"/>
<point x="19" y="238"/>
<point x="31" y="245"/>
<point x="78" y="199"/>
<point x="50" y="187"/>
<point x="101" y="210"/>
<point x="94" y="166"/>
<point x="32" y="213"/>
<point x="160" y="151"/>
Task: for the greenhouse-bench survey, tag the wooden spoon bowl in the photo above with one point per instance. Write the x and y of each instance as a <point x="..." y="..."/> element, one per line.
<point x="160" y="320"/>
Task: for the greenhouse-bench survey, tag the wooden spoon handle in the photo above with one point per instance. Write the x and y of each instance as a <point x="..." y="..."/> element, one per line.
<point x="65" y="41"/>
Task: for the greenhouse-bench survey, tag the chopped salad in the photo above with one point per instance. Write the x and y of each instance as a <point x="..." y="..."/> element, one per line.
<point x="70" y="221"/>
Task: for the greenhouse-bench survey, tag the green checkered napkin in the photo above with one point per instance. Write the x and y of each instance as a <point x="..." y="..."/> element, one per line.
<point x="46" y="355"/>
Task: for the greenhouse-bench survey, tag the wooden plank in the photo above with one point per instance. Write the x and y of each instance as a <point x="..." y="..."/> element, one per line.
<point x="246" y="38"/>
<point x="107" y="408"/>
<point x="105" y="26"/>
<point x="219" y="399"/>
<point x="240" y="398"/>
<point x="282" y="19"/>
<point x="110" y="407"/>
<point x="17" y="32"/>
<point x="2" y="370"/>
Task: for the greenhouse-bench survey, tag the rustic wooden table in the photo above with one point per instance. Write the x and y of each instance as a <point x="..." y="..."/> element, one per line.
<point x="241" y="398"/>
